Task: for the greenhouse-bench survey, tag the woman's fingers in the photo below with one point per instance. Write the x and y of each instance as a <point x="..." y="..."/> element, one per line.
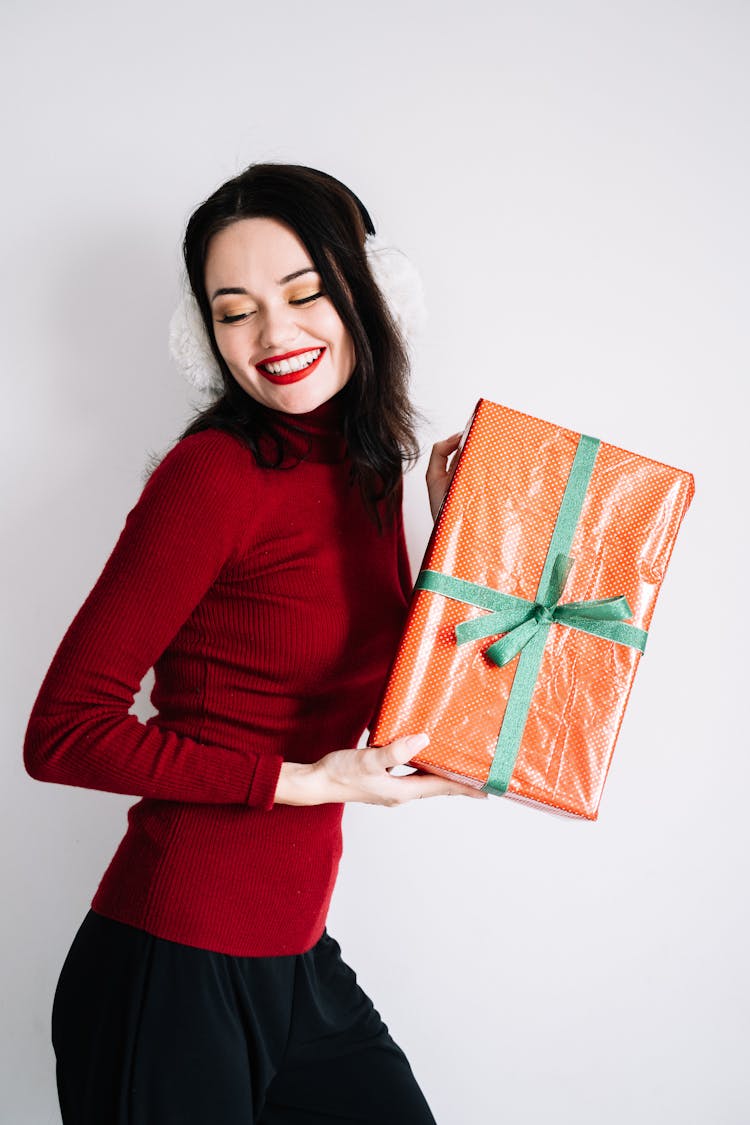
<point x="430" y="785"/>
<point x="438" y="475"/>
<point x="437" y="467"/>
<point x="420" y="784"/>
<point x="398" y="752"/>
<point x="362" y="774"/>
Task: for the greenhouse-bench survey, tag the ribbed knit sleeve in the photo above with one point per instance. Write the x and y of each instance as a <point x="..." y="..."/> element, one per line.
<point x="404" y="565"/>
<point x="193" y="517"/>
<point x="404" y="573"/>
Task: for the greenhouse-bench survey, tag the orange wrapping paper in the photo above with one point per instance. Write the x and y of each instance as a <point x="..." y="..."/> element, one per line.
<point x="494" y="528"/>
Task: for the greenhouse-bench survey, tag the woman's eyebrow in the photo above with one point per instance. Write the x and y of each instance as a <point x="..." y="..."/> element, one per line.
<point x="281" y="281"/>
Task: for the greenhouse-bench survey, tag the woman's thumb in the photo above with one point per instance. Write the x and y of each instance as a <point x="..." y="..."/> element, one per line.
<point x="406" y="747"/>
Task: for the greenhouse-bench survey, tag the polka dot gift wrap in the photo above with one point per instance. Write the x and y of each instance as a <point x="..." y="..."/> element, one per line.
<point x="536" y="517"/>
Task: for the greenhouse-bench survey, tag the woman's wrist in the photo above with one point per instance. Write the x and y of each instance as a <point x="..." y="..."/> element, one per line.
<point x="296" y="784"/>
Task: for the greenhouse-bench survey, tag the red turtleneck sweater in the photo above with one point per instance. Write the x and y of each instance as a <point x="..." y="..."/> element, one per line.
<point x="270" y="609"/>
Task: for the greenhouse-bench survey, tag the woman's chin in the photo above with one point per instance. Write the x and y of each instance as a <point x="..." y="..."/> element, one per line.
<point x="293" y="398"/>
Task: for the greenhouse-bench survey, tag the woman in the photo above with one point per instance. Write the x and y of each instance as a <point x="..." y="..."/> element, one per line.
<point x="263" y="575"/>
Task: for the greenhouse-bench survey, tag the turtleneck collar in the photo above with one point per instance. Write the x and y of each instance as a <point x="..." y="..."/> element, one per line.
<point x="315" y="435"/>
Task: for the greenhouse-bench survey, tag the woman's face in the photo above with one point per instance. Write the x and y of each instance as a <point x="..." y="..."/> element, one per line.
<point x="268" y="306"/>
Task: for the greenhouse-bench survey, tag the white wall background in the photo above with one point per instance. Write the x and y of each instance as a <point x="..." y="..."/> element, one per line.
<point x="572" y="181"/>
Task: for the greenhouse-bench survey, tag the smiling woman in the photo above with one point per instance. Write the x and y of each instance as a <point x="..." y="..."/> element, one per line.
<point x="269" y="595"/>
<point x="281" y="338"/>
<point x="278" y="265"/>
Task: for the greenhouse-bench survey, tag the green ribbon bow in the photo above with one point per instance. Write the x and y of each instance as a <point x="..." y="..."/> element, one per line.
<point x="578" y="615"/>
<point x="526" y="623"/>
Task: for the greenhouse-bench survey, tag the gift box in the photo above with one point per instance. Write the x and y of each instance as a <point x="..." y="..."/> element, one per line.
<point x="531" y="610"/>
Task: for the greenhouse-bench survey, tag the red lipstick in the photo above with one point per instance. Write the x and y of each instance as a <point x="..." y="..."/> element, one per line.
<point x="292" y="376"/>
<point x="288" y="355"/>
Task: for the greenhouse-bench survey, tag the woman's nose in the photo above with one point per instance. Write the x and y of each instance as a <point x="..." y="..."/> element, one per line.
<point x="279" y="327"/>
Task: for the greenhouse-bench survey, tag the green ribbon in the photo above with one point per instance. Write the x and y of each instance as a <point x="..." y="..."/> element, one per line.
<point x="526" y="623"/>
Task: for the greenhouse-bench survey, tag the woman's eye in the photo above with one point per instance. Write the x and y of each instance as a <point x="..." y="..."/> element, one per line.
<point x="229" y="318"/>
<point x="233" y="319"/>
<point x="304" y="300"/>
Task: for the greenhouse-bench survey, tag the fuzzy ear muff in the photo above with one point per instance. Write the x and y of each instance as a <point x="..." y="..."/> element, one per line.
<point x="401" y="285"/>
<point x="189" y="345"/>
<point x="395" y="275"/>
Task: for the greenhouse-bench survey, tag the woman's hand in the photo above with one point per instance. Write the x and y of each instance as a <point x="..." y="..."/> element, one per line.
<point x="438" y="475"/>
<point x="362" y="775"/>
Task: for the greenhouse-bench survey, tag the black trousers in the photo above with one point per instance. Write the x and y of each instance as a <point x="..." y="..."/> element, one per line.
<point x="151" y="1032"/>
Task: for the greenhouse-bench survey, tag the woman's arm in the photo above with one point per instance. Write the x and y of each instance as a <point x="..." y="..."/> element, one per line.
<point x="193" y="517"/>
<point x="438" y="475"/>
<point x="404" y="564"/>
<point x="363" y="775"/>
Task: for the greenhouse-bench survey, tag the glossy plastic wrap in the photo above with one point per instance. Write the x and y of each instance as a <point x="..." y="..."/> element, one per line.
<point x="495" y="528"/>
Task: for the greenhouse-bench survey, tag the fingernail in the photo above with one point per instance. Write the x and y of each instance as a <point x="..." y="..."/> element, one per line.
<point x="417" y="741"/>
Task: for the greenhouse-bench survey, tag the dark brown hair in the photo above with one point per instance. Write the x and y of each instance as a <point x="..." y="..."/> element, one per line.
<point x="329" y="219"/>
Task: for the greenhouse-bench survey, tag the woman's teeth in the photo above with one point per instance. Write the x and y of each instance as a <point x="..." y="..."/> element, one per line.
<point x="296" y="363"/>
